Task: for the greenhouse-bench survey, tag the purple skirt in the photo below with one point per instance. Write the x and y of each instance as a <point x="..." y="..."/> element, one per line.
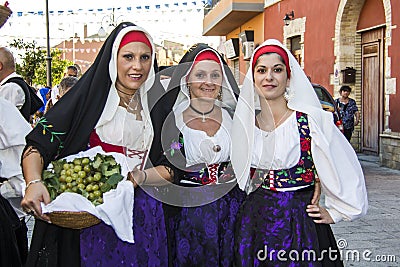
<point x="270" y="222"/>
<point x="204" y="235"/>
<point x="100" y="246"/>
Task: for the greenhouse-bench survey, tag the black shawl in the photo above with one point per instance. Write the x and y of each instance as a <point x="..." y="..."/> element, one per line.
<point x="170" y="132"/>
<point x="65" y="129"/>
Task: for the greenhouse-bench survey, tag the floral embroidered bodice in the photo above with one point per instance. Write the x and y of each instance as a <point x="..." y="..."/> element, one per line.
<point x="301" y="175"/>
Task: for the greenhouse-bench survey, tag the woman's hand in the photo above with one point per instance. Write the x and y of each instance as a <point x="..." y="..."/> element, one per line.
<point x="156" y="176"/>
<point x="317" y="193"/>
<point x="137" y="177"/>
<point x="35" y="194"/>
<point x="319" y="214"/>
<point x="36" y="191"/>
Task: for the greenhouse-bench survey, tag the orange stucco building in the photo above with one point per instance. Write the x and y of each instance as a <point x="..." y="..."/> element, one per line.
<point x="330" y="39"/>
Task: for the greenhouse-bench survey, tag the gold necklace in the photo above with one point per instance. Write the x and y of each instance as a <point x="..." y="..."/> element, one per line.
<point x="283" y="116"/>
<point x="132" y="104"/>
<point x="275" y="124"/>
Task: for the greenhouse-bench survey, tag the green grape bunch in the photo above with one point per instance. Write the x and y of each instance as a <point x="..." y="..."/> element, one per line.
<point x="89" y="177"/>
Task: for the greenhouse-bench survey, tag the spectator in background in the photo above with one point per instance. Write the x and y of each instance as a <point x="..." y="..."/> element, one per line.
<point x="72" y="71"/>
<point x="44" y="94"/>
<point x="13" y="87"/>
<point x="13" y="229"/>
<point x="63" y="88"/>
<point x="348" y="110"/>
<point x="12" y="91"/>
<point x="66" y="84"/>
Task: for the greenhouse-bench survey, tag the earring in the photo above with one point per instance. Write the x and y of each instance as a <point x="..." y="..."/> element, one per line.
<point x="219" y="97"/>
<point x="190" y="95"/>
<point x="288" y="94"/>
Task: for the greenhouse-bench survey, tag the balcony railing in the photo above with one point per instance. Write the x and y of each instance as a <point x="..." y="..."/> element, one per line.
<point x="210" y="4"/>
<point x="223" y="16"/>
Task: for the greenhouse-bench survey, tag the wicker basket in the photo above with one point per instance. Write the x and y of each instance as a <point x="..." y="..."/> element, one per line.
<point x="73" y="220"/>
<point x="5" y="13"/>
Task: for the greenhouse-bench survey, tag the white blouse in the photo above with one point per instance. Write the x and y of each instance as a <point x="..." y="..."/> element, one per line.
<point x="13" y="129"/>
<point x="334" y="159"/>
<point x="200" y="148"/>
<point x="12" y="91"/>
<point x="278" y="149"/>
<point x="123" y="130"/>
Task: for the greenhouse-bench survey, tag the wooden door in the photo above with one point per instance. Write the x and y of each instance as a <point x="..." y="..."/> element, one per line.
<point x="372" y="90"/>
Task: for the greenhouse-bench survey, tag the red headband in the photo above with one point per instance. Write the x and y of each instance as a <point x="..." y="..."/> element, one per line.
<point x="273" y="49"/>
<point x="206" y="55"/>
<point x="135" y="36"/>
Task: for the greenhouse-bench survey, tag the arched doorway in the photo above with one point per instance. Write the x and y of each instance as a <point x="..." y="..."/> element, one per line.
<point x="363" y="48"/>
<point x="372" y="43"/>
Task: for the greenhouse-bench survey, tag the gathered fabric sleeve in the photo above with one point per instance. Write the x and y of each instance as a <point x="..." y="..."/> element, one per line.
<point x="160" y="104"/>
<point x="339" y="170"/>
<point x="13" y="93"/>
<point x="48" y="137"/>
<point x="13" y="129"/>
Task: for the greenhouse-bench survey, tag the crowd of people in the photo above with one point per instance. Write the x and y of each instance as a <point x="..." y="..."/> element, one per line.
<point x="220" y="176"/>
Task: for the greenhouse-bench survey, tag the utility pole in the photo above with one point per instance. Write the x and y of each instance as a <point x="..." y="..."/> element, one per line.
<point x="48" y="58"/>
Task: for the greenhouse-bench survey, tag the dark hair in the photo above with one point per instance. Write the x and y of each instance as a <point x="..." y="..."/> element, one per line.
<point x="67" y="83"/>
<point x="74" y="70"/>
<point x="345" y="88"/>
<point x="72" y="67"/>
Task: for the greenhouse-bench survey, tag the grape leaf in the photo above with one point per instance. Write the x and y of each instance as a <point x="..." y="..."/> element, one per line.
<point x="114" y="179"/>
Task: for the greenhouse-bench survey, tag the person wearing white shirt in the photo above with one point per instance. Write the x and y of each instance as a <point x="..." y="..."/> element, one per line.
<point x="10" y="91"/>
<point x="13" y="129"/>
<point x="14" y="88"/>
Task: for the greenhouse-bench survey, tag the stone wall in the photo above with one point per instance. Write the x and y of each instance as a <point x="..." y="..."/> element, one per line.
<point x="390" y="150"/>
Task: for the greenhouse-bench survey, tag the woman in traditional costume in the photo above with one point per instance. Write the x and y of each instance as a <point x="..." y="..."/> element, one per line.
<point x="110" y="106"/>
<point x="204" y="200"/>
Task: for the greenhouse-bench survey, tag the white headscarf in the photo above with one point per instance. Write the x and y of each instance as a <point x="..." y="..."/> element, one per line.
<point x="228" y="97"/>
<point x="303" y="99"/>
<point x="113" y="98"/>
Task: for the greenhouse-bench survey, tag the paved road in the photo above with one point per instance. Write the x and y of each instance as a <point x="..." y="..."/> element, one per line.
<point x="377" y="235"/>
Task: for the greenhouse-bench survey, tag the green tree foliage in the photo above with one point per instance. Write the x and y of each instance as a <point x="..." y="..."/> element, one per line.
<point x="33" y="63"/>
<point x="58" y="67"/>
<point x="31" y="57"/>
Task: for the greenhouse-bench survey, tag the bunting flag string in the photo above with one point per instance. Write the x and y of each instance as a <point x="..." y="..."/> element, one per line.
<point x="198" y="5"/>
<point x="161" y="18"/>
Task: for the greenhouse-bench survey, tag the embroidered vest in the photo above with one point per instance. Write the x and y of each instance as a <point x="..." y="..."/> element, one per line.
<point x="300" y="175"/>
<point x="200" y="174"/>
<point x="210" y="174"/>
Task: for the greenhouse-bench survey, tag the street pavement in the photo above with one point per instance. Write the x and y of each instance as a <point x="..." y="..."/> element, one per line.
<point x="374" y="240"/>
